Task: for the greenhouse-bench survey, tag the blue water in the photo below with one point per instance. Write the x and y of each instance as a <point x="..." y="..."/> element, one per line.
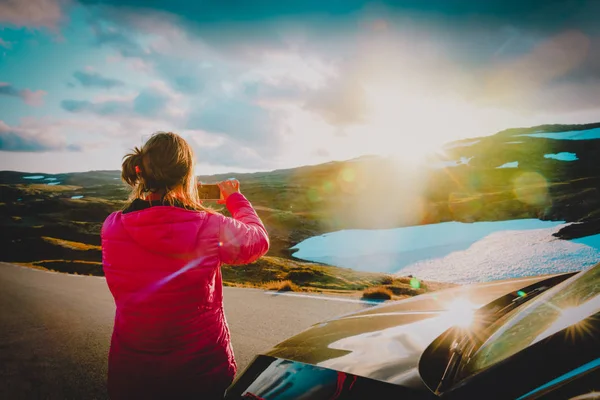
<point x="34" y="177"/>
<point x="439" y="239"/>
<point x="590" y="241"/>
<point x="514" y="164"/>
<point x="77" y="197"/>
<point x="564" y="156"/>
<point x="455" y="251"/>
<point x="53" y="183"/>
<point x="50" y="179"/>
<point x="568" y="135"/>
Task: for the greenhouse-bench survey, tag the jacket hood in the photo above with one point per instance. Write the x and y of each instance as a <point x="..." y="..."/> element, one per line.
<point x="164" y="229"/>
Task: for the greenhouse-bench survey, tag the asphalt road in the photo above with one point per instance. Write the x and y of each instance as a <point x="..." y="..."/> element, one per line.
<point x="55" y="330"/>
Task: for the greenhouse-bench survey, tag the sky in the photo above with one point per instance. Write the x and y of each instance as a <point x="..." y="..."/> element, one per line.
<point x="267" y="84"/>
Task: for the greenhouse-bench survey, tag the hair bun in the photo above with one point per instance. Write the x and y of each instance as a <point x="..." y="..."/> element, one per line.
<point x="132" y="169"/>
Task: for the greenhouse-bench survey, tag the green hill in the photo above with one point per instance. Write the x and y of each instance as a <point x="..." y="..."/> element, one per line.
<point x="298" y="203"/>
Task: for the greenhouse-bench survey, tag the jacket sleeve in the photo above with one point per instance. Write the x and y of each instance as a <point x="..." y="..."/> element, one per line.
<point x="243" y="238"/>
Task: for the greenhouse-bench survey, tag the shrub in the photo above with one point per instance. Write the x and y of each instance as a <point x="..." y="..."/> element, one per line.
<point x="377" y="293"/>
<point x="303" y="275"/>
<point x="401" y="290"/>
<point x="283" y="286"/>
<point x="387" y="280"/>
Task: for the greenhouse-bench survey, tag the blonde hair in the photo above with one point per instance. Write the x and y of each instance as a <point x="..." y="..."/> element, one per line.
<point x="166" y="161"/>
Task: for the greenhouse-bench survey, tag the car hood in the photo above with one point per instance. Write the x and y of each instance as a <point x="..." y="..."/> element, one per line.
<point x="385" y="342"/>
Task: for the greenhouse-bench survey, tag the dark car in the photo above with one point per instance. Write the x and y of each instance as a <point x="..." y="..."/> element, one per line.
<point x="525" y="338"/>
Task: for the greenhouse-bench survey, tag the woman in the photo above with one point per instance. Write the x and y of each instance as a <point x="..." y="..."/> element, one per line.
<point x="161" y="257"/>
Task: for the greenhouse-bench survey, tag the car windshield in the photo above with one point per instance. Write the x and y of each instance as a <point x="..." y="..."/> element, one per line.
<point x="566" y="305"/>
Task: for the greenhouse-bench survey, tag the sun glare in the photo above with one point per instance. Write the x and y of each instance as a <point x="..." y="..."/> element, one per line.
<point x="461" y="312"/>
<point x="573" y="318"/>
<point x="413" y="127"/>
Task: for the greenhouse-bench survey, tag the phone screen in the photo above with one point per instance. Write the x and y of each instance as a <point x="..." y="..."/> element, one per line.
<point x="209" y="192"/>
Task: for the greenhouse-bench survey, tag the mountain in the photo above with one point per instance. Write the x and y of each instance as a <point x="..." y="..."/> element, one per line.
<point x="548" y="172"/>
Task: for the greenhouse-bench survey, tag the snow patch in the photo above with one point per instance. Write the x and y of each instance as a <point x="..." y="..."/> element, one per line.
<point x="514" y="164"/>
<point x="504" y="255"/>
<point x="587" y="134"/>
<point x="564" y="156"/>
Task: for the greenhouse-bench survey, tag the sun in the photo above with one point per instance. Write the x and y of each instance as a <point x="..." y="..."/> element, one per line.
<point x="414" y="127"/>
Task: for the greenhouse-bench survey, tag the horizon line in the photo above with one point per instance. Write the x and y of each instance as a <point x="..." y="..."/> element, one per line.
<point x="588" y="125"/>
<point x="221" y="173"/>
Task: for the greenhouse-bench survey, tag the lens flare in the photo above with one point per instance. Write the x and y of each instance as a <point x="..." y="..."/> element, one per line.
<point x="348" y="175"/>
<point x="465" y="205"/>
<point x="531" y="188"/>
<point x="313" y="195"/>
<point x="572" y="318"/>
<point x="461" y="312"/>
<point x="415" y="283"/>
<point x="348" y="182"/>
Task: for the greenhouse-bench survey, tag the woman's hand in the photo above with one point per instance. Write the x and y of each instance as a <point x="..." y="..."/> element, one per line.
<point x="228" y="187"/>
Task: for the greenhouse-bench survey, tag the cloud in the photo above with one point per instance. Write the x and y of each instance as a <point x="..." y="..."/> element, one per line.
<point x="183" y="66"/>
<point x="94" y="79"/>
<point x="5" y="44"/>
<point x="211" y="149"/>
<point x="33" y="98"/>
<point x="151" y="101"/>
<point x="276" y="25"/>
<point x="119" y="36"/>
<point x="32" y="13"/>
<point x="542" y="13"/>
<point x="278" y="73"/>
<point x="236" y="118"/>
<point x="29" y="97"/>
<point x="229" y="93"/>
<point x="103" y="108"/>
<point x="283" y="92"/>
<point x="342" y="103"/>
<point x="154" y="101"/>
<point x="323" y="153"/>
<point x="33" y="136"/>
<point x="558" y="74"/>
<point x="568" y="97"/>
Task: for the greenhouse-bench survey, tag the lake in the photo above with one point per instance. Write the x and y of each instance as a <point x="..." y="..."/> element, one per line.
<point x="455" y="251"/>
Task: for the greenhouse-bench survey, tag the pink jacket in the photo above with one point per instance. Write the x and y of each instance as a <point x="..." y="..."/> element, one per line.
<point x="170" y="334"/>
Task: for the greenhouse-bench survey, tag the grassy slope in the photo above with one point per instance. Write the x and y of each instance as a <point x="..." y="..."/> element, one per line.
<point x="64" y="234"/>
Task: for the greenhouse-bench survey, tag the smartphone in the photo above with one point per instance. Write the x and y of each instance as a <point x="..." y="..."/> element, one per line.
<point x="209" y="191"/>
